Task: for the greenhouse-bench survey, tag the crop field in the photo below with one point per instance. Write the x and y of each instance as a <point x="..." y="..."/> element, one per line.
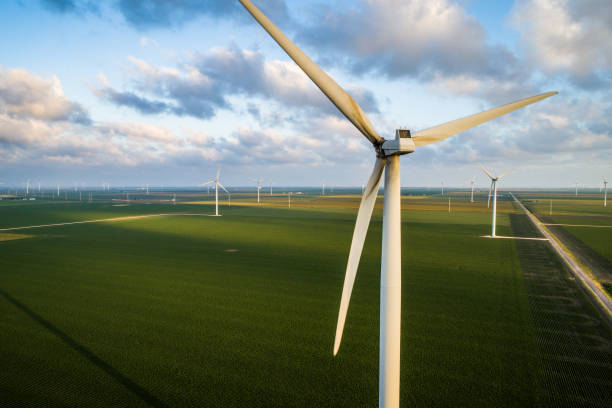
<point x="240" y="310"/>
<point x="584" y="226"/>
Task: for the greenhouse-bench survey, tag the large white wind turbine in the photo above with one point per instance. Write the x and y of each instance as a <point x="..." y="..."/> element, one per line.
<point x="605" y="183"/>
<point x="217" y="185"/>
<point x="387" y="156"/>
<point x="493" y="191"/>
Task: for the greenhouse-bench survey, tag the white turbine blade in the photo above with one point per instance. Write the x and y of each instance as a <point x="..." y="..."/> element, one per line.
<point x="359" y="235"/>
<point x="448" y="129"/>
<point x="208" y="182"/>
<point x="486" y="172"/>
<point x="505" y="174"/>
<point x="338" y="96"/>
<point x="490" y="189"/>
<point x="221" y="185"/>
<point x="218" y="172"/>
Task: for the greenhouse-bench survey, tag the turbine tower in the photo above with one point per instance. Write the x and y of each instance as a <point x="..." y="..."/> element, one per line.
<point x="217" y="185"/>
<point x="472" y="196"/>
<point x="258" y="181"/>
<point x="443" y="188"/>
<point x="493" y="189"/>
<point x="605" y="183"/>
<point x="387" y="157"/>
<point x="576" y="189"/>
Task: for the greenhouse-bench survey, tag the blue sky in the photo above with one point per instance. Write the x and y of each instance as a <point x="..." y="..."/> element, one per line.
<point x="161" y="93"/>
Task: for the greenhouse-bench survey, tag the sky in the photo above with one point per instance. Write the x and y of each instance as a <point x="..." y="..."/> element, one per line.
<point x="132" y="92"/>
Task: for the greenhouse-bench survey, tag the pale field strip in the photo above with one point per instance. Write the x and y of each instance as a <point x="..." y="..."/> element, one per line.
<point x="126" y="218"/>
<point x="592" y="287"/>
<point x="581" y="225"/>
<point x="504" y="237"/>
<point x="12" y="237"/>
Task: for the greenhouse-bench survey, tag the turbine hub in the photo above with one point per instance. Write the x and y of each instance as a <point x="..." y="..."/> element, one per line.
<point x="402" y="144"/>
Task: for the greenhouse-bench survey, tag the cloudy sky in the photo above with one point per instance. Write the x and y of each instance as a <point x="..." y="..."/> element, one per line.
<point x="132" y="92"/>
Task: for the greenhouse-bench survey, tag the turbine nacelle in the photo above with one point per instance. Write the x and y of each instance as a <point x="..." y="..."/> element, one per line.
<point x="402" y="144"/>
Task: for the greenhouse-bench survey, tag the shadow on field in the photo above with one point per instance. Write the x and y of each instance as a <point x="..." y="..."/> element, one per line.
<point x="88" y="354"/>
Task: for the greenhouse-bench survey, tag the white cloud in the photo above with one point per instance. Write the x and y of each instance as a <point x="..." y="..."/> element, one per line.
<point x="26" y="95"/>
<point x="567" y="36"/>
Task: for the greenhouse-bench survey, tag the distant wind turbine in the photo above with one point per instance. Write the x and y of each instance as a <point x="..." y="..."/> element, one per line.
<point x="576" y="189"/>
<point x="443" y="188"/>
<point x="258" y="181"/>
<point x="217" y="185"/>
<point x="493" y="190"/>
<point x="387" y="156"/>
<point x="472" y="196"/>
<point x="605" y="183"/>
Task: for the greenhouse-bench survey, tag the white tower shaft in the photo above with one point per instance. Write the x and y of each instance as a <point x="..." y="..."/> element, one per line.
<point x="216" y="197"/>
<point x="472" y="197"/>
<point x="494" y="208"/>
<point x="390" y="289"/>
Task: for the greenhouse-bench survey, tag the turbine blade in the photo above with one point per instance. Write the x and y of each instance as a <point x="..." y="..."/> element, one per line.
<point x="485" y="170"/>
<point x="490" y="189"/>
<point x="208" y="182"/>
<point x="221" y="185"/>
<point x="359" y="235"/>
<point x="338" y="96"/>
<point x="218" y="172"/>
<point x="505" y="174"/>
<point x="448" y="129"/>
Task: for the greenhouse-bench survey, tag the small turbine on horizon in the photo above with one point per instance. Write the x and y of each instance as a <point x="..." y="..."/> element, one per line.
<point x="258" y="181"/>
<point x="217" y="185"/>
<point x="493" y="189"/>
<point x="472" y="196"/>
<point x="605" y="183"/>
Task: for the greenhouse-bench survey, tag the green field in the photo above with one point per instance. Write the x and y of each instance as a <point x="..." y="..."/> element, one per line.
<point x="240" y="310"/>
<point x="585" y="227"/>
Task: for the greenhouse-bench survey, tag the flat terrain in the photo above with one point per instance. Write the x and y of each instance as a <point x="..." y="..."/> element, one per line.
<point x="584" y="226"/>
<point x="240" y="310"/>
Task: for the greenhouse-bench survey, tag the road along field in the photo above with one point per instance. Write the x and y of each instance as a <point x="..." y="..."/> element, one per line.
<point x="584" y="226"/>
<point x="240" y="310"/>
<point x="575" y="344"/>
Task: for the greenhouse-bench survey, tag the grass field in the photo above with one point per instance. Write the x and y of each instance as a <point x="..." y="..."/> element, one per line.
<point x="240" y="310"/>
<point x="585" y="227"/>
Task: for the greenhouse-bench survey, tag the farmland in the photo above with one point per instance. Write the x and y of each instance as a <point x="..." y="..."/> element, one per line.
<point x="583" y="225"/>
<point x="240" y="310"/>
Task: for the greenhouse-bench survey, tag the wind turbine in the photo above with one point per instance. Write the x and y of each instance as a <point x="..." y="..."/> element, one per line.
<point x="387" y="156"/>
<point x="323" y="189"/>
<point x="27" y="187"/>
<point x="576" y="189"/>
<point x="217" y="185"/>
<point x="258" y="181"/>
<point x="443" y="188"/>
<point x="270" y="188"/>
<point x="472" y="197"/>
<point x="493" y="189"/>
<point x="605" y="183"/>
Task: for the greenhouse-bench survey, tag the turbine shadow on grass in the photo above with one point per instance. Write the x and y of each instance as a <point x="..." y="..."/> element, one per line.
<point x="88" y="354"/>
